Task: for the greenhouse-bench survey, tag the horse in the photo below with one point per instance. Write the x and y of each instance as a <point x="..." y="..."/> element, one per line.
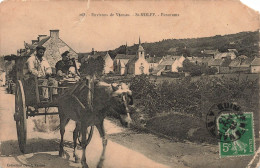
<point x="88" y="103"/>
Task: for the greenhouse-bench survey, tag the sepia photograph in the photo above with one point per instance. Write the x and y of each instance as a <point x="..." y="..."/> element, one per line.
<point x="129" y="84"/>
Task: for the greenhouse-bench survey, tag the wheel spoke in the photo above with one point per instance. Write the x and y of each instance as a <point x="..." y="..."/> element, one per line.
<point x="20" y="110"/>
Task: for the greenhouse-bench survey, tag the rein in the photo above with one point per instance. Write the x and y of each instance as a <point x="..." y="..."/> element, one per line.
<point x="75" y="89"/>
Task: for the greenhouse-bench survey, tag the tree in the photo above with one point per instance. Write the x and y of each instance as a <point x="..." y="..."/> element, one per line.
<point x="211" y="70"/>
<point x="93" y="66"/>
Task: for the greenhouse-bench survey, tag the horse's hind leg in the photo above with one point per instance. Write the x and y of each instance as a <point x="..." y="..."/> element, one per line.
<point x="83" y="144"/>
<point x="102" y="133"/>
<point x="75" y="136"/>
<point x="63" y="122"/>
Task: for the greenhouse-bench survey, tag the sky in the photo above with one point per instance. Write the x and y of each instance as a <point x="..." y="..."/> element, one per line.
<point x="81" y="30"/>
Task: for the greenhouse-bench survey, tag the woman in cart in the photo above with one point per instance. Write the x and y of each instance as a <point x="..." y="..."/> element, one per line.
<point x="66" y="67"/>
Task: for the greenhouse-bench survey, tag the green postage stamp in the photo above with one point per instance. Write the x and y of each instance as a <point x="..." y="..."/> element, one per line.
<point x="236" y="134"/>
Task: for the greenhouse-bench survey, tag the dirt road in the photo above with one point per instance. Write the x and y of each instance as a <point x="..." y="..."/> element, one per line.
<point x="42" y="148"/>
<point x="126" y="148"/>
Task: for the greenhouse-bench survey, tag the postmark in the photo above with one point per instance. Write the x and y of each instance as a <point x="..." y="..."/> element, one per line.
<point x="224" y="108"/>
<point x="240" y="133"/>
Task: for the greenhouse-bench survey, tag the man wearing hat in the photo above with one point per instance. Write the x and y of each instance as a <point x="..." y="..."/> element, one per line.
<point x="39" y="67"/>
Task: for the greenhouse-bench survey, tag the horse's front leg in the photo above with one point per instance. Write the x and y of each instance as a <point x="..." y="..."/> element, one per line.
<point x="102" y="133"/>
<point x="75" y="136"/>
<point x="83" y="145"/>
<point x="63" y="122"/>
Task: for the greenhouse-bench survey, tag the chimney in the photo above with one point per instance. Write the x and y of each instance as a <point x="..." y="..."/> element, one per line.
<point x="93" y="51"/>
<point x="54" y="33"/>
<point x="40" y="37"/>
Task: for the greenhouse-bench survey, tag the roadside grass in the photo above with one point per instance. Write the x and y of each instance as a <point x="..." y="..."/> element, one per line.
<point x="181" y="127"/>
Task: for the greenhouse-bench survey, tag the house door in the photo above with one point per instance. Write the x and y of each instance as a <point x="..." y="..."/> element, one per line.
<point x="142" y="69"/>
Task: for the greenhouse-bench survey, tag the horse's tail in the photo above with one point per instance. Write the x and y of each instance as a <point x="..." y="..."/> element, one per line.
<point x="58" y="127"/>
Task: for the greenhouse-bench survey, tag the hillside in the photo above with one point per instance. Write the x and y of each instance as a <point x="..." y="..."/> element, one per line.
<point x="246" y="43"/>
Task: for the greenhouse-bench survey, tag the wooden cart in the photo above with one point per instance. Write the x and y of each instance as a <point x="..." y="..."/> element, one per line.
<point x="29" y="96"/>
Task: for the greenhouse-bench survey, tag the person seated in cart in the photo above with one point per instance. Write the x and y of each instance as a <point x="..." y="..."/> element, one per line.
<point x="39" y="67"/>
<point x="66" y="67"/>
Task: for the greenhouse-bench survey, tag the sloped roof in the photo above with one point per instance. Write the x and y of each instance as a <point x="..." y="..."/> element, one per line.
<point x="132" y="60"/>
<point x="107" y="55"/>
<point x="224" y="55"/>
<point x="169" y="59"/>
<point x="124" y="56"/>
<point x="235" y="63"/>
<point x="153" y="59"/>
<point x="226" y="62"/>
<point x="207" y="59"/>
<point x="242" y="57"/>
<point x="246" y="62"/>
<point x="200" y="59"/>
<point x="256" y="62"/>
<point x="39" y="44"/>
<point x="215" y="62"/>
<point x="85" y="56"/>
<point x="241" y="62"/>
<point x="232" y="49"/>
<point x="158" y="69"/>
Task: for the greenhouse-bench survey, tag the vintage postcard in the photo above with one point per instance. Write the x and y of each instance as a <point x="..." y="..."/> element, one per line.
<point x="129" y="84"/>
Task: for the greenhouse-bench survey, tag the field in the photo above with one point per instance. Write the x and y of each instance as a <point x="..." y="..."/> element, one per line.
<point x="177" y="108"/>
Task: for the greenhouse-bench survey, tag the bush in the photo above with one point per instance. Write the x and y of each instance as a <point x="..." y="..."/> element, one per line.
<point x="193" y="97"/>
<point x="93" y="66"/>
<point x="145" y="91"/>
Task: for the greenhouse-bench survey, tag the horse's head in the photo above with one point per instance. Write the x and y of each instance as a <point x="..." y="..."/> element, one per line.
<point x="122" y="99"/>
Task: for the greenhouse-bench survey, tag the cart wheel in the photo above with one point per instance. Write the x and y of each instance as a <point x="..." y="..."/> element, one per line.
<point x="20" y="116"/>
<point x="89" y="135"/>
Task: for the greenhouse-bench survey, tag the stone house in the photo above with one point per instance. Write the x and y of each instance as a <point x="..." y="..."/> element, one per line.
<point x="120" y="62"/>
<point x="169" y="64"/>
<point x="240" y="65"/>
<point x="153" y="62"/>
<point x="255" y="66"/>
<point x="215" y="63"/>
<point x="54" y="45"/>
<point x="224" y="67"/>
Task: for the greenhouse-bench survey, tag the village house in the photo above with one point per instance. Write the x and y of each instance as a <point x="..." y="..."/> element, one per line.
<point x="240" y="64"/>
<point x="120" y="62"/>
<point x="230" y="55"/>
<point x="200" y="60"/>
<point x="169" y="64"/>
<point x="153" y="62"/>
<point x="108" y="62"/>
<point x="215" y="63"/>
<point x="54" y="47"/>
<point x="255" y="65"/>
